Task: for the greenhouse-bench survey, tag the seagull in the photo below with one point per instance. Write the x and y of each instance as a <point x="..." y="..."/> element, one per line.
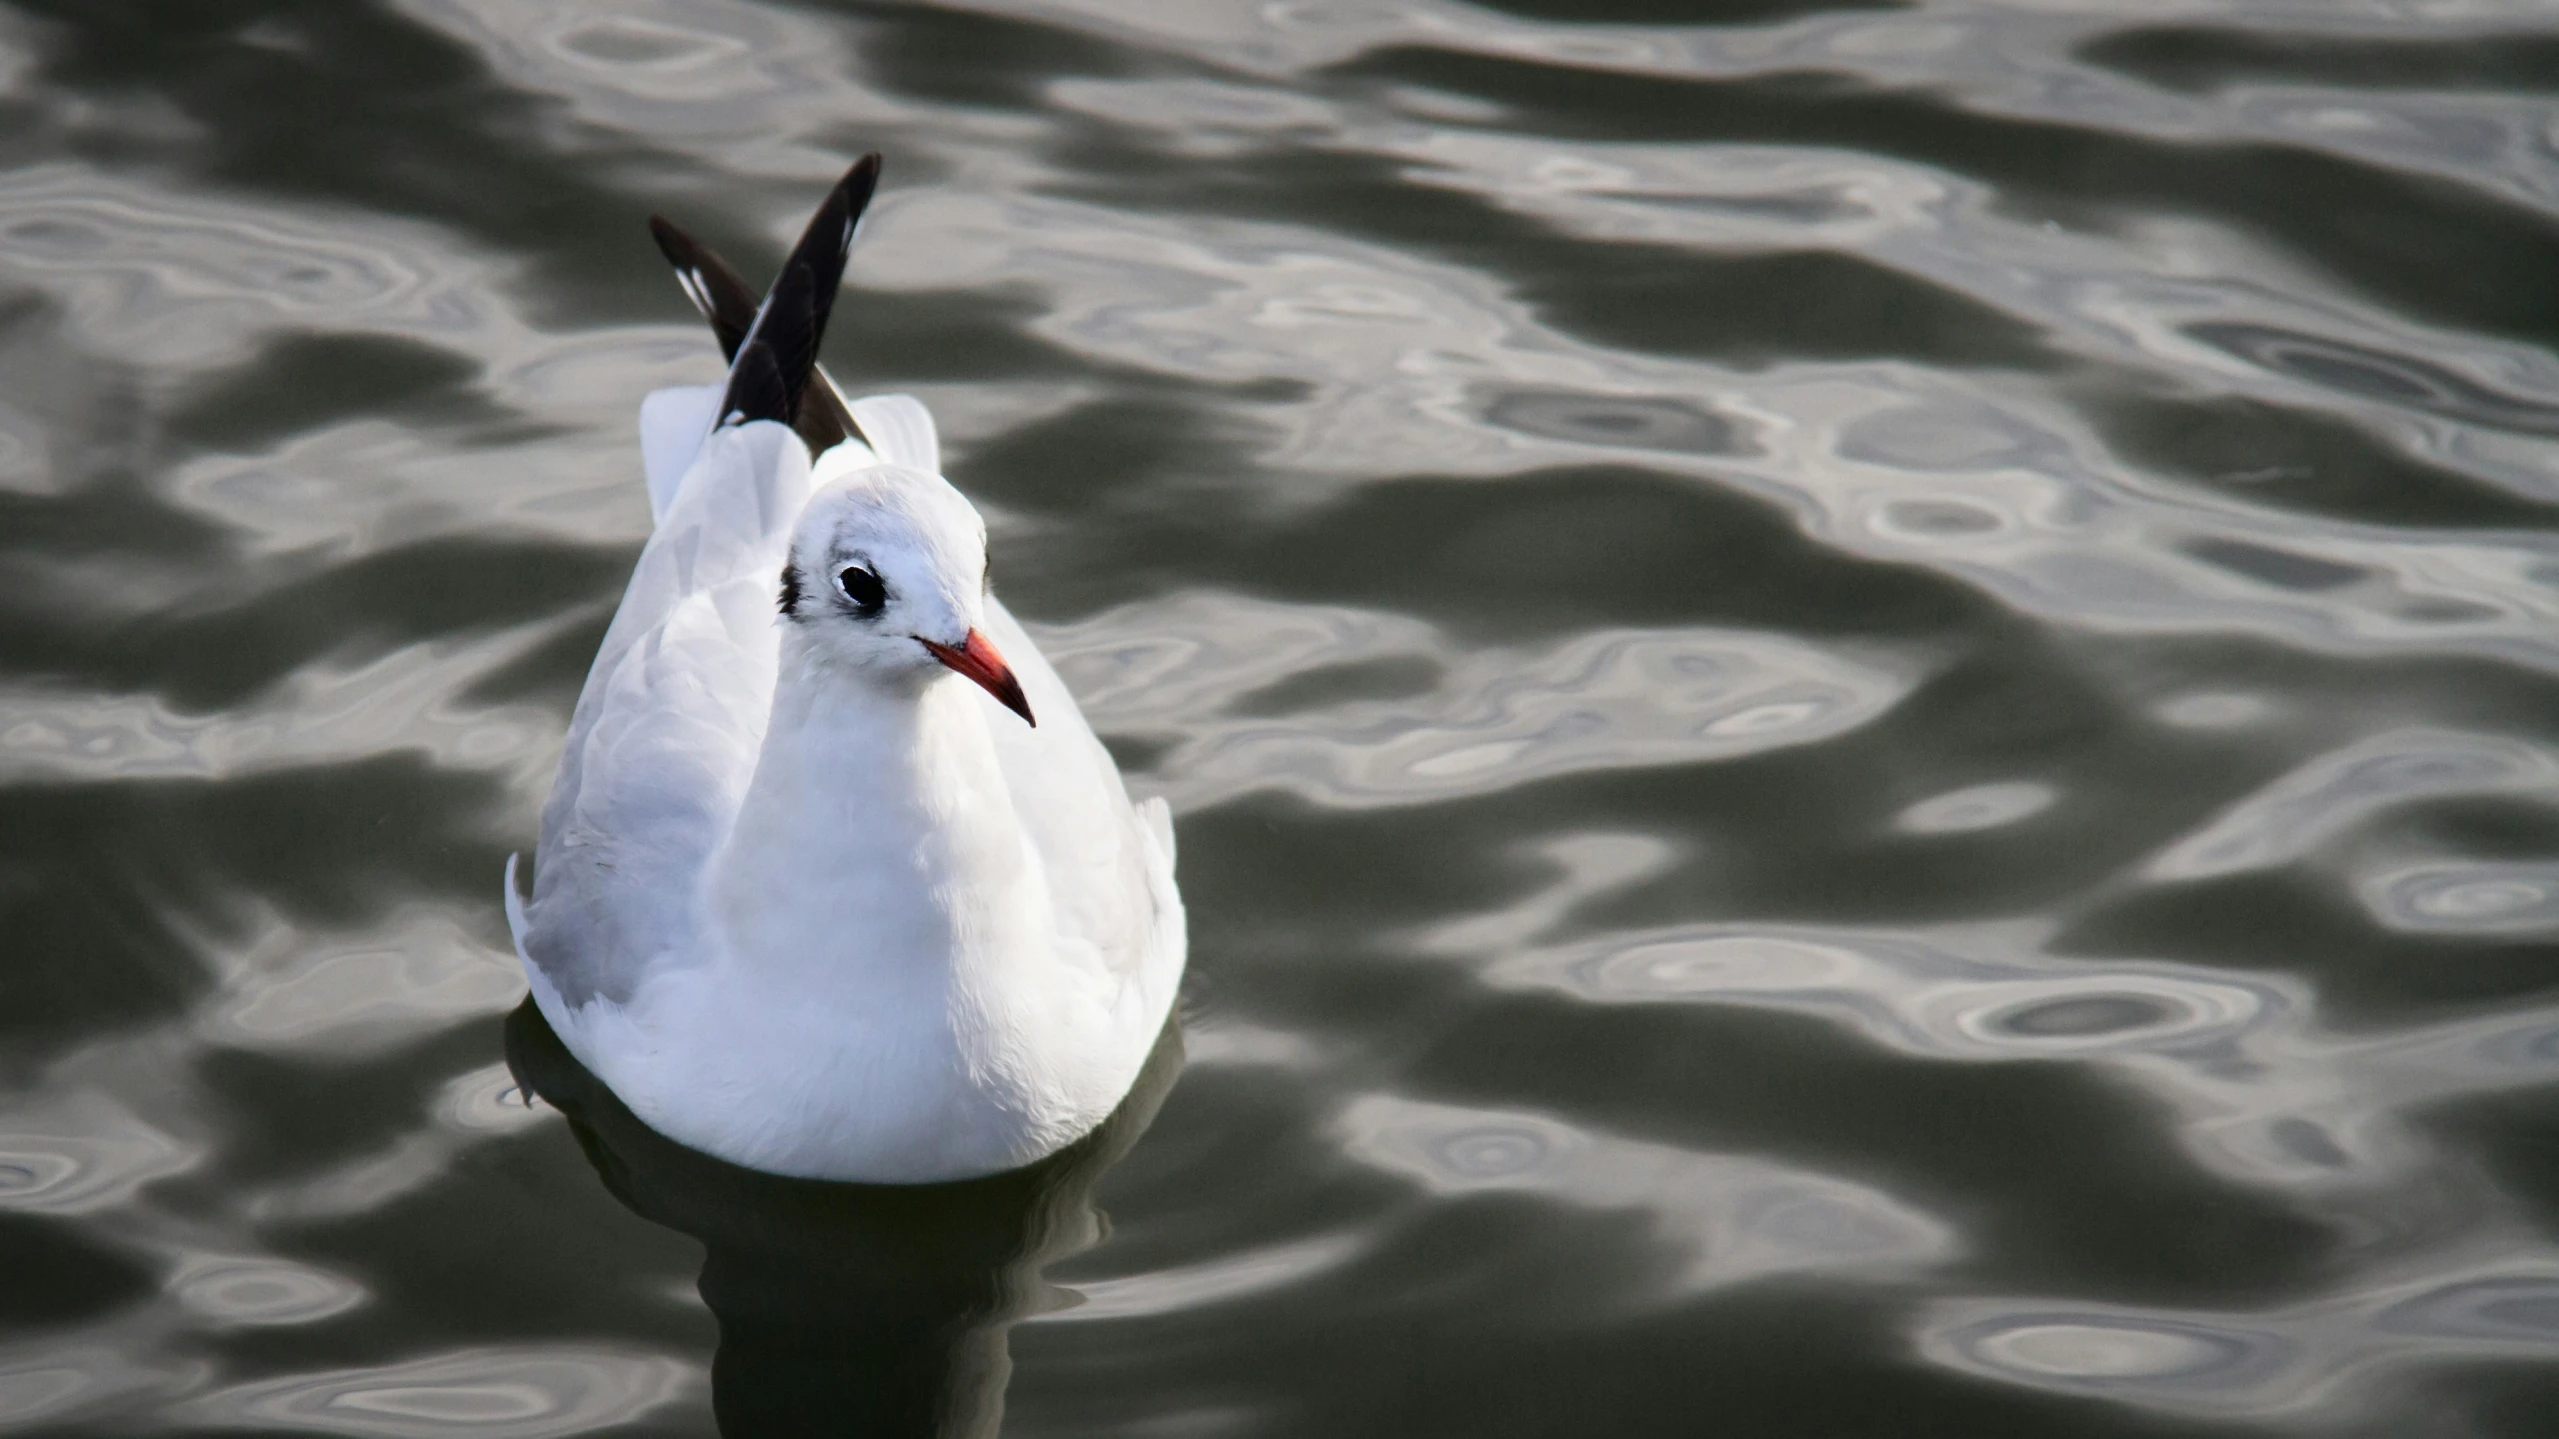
<point x="835" y="881"/>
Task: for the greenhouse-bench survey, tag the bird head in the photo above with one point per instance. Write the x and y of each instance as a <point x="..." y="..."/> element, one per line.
<point x="887" y="574"/>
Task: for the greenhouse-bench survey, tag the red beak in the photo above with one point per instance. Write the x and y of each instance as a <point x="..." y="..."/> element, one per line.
<point x="978" y="660"/>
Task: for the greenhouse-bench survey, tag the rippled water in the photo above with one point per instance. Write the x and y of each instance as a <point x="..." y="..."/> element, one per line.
<point x="1864" y="701"/>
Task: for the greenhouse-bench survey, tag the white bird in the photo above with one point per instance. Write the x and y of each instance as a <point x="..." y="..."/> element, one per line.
<point x="814" y="893"/>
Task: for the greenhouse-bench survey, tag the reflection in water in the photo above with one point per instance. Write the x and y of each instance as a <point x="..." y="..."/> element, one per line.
<point x="1730" y="1219"/>
<point x="79" y="1152"/>
<point x="256" y="1291"/>
<point x="2264" y="1363"/>
<point x="495" y="1393"/>
<point x="1613" y="699"/>
<point x="852" y="1308"/>
<point x="1635" y="421"/>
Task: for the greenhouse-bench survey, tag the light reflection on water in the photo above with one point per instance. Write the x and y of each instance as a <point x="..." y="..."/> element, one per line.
<point x="504" y="1393"/>
<point x="1606" y="699"/>
<point x="1859" y="699"/>
<point x="1738" y="1219"/>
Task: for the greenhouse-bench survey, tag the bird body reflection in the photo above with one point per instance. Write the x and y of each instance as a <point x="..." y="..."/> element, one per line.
<point x="851" y="1308"/>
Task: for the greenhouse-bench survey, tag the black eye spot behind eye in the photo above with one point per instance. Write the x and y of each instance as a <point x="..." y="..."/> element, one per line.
<point x="863" y="588"/>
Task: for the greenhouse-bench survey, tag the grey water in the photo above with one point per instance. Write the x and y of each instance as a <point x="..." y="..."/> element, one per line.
<point x="1863" y="703"/>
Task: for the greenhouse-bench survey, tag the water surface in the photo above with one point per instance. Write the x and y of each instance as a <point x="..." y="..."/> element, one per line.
<point x="1863" y="699"/>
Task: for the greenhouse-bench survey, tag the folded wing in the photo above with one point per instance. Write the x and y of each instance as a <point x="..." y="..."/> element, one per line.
<point x="667" y="730"/>
<point x="672" y="717"/>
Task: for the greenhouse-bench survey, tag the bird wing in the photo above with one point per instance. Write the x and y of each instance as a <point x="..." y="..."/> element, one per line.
<point x="900" y="430"/>
<point x="671" y="722"/>
<point x="673" y="422"/>
<point x="667" y="730"/>
<point x="1109" y="863"/>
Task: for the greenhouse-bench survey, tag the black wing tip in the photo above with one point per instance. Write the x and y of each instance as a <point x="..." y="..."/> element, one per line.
<point x="860" y="182"/>
<point x="824" y="421"/>
<point x="794" y="314"/>
<point x="773" y="369"/>
<point x="827" y="240"/>
<point x="756" y="389"/>
<point x="709" y="282"/>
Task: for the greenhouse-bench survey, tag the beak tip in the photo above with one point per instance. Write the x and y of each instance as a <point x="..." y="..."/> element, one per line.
<point x="977" y="661"/>
<point x="1012" y="698"/>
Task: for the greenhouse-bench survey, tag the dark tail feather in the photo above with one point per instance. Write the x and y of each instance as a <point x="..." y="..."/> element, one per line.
<point x="781" y="328"/>
<point x="715" y="288"/>
<point x="824" y="420"/>
<point x="756" y="391"/>
<point x="822" y="247"/>
<point x="790" y="323"/>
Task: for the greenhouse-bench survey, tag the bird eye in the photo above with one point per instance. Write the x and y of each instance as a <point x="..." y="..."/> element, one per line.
<point x="863" y="588"/>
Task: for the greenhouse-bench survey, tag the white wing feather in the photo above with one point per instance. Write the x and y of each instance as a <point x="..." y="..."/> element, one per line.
<point x="667" y="730"/>
<point x="900" y="430"/>
<point x="673" y="424"/>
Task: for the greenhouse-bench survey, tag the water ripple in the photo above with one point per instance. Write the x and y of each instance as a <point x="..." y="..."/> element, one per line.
<point x="1610" y="699"/>
<point x="1735" y="1218"/>
<point x="1977" y="807"/>
<point x="75" y="1151"/>
<point x="61" y="1380"/>
<point x="2116" y="1354"/>
<point x="2461" y="898"/>
<point x="233" y="1291"/>
<point x="418" y="970"/>
<point x="147" y="275"/>
<point x="1953" y="995"/>
<point x="2323" y="797"/>
<point x="1191" y="1287"/>
<point x="1981" y="562"/>
<point x="2325" y="1362"/>
<point x="499" y="1393"/>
